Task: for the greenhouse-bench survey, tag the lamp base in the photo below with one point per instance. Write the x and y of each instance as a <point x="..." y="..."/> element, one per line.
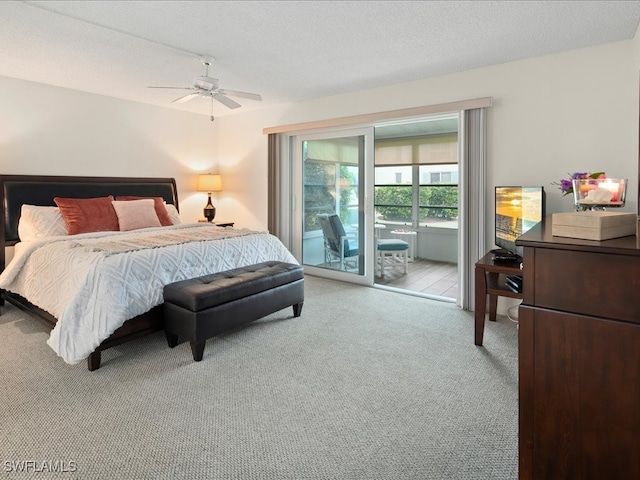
<point x="210" y="213"/>
<point x="209" y="210"/>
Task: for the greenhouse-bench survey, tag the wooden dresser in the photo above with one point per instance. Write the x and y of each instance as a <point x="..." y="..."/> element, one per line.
<point x="579" y="357"/>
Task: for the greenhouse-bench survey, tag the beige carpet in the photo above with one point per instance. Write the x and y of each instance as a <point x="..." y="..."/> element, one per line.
<point x="366" y="384"/>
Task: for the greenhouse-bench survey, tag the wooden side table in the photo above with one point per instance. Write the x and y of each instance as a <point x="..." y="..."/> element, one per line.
<point x="490" y="280"/>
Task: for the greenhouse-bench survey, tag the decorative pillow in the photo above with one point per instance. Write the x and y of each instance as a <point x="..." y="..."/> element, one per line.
<point x="134" y="214"/>
<point x="161" y="211"/>
<point x="173" y="213"/>
<point x="84" y="215"/>
<point x="38" y="222"/>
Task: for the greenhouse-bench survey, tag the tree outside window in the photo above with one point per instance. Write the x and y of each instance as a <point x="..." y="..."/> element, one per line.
<point x="436" y="200"/>
<point x="328" y="188"/>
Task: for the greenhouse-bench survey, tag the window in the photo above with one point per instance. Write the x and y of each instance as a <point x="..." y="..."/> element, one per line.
<point x="393" y="198"/>
<point x="330" y="180"/>
<point x="433" y="196"/>
<point x="438" y="199"/>
<point x="439" y="177"/>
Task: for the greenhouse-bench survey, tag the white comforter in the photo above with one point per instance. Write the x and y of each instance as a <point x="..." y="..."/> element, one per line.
<point x="92" y="291"/>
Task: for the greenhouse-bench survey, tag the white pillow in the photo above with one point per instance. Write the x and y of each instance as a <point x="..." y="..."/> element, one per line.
<point x="134" y="214"/>
<point x="173" y="213"/>
<point x="38" y="222"/>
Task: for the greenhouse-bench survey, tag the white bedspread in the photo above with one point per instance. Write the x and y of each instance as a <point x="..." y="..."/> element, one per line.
<point x="92" y="290"/>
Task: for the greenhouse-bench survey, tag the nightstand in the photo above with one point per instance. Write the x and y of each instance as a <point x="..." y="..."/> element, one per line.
<point x="217" y="224"/>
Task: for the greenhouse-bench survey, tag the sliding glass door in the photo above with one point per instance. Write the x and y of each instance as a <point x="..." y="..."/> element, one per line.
<point x="332" y="221"/>
<point x="292" y="209"/>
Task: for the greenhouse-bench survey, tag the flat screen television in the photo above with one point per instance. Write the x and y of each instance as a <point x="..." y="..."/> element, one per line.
<point x="517" y="210"/>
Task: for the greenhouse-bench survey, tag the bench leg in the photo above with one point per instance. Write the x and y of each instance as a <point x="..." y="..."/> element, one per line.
<point x="297" y="309"/>
<point x="172" y="340"/>
<point x="197" y="349"/>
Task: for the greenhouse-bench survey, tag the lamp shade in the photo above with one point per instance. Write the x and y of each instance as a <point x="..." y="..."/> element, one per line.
<point x="209" y="183"/>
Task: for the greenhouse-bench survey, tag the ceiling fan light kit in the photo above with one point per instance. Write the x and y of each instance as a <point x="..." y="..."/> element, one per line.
<point x="208" y="87"/>
<point x="206" y="83"/>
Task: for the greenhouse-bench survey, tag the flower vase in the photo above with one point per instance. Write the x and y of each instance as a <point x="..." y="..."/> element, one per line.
<point x="598" y="193"/>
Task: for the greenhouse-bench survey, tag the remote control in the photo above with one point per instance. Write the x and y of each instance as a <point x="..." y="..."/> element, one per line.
<point x="504" y="258"/>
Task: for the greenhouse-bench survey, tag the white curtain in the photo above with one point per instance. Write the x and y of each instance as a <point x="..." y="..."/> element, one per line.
<point x="471" y="235"/>
<point x="273" y="189"/>
<point x="279" y="195"/>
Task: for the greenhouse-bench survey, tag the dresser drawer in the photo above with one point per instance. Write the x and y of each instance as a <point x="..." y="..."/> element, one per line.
<point x="597" y="284"/>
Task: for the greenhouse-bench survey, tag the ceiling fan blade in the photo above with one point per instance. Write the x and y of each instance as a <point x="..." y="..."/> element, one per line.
<point x="235" y="93"/>
<point x="226" y="101"/>
<point x="177" y="88"/>
<point x="185" y="98"/>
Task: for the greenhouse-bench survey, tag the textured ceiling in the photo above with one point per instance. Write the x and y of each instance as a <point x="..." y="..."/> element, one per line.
<point x="287" y="51"/>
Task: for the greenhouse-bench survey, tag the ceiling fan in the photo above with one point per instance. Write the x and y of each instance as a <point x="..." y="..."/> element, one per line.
<point x="208" y="87"/>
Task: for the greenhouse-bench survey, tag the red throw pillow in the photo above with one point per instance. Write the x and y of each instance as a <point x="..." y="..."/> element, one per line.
<point x="84" y="215"/>
<point x="158" y="203"/>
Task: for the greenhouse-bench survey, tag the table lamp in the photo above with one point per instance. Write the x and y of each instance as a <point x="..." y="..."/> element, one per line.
<point x="209" y="183"/>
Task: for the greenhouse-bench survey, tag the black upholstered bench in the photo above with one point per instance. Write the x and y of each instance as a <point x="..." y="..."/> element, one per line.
<point x="199" y="308"/>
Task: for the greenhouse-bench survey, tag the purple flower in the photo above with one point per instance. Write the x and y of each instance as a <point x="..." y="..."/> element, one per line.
<point x="579" y="176"/>
<point x="566" y="186"/>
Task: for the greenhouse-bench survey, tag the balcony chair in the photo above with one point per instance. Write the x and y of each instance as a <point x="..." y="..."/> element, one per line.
<point x="338" y="246"/>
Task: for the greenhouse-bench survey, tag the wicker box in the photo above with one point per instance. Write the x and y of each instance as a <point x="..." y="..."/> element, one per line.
<point x="596" y="225"/>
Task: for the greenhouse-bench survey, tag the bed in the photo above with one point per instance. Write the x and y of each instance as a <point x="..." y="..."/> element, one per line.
<point x="100" y="289"/>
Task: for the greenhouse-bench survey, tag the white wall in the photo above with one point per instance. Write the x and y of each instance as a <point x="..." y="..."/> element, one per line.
<point x="552" y="115"/>
<point x="635" y="101"/>
<point x="243" y="165"/>
<point x="47" y="130"/>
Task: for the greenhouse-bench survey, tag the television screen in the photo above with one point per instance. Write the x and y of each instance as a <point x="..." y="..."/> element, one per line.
<point x="517" y="210"/>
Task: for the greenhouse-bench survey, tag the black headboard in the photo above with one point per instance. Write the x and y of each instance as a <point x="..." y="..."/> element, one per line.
<point x="16" y="190"/>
